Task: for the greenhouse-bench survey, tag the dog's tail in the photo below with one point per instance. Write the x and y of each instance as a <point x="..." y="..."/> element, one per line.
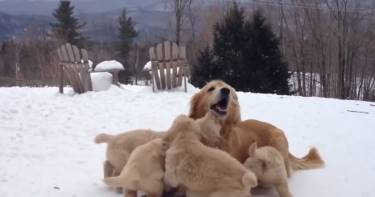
<point x="249" y="179"/>
<point x="101" y="138"/>
<point x="311" y="161"/>
<point x="114" y="181"/>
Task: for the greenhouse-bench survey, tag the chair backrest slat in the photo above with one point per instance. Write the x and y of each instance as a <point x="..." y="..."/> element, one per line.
<point x="76" y="54"/>
<point x="175" y="51"/>
<point x="85" y="56"/>
<point x="64" y="54"/>
<point x="159" y="52"/>
<point x="60" y="54"/>
<point x="151" y="51"/>
<point x="160" y="56"/>
<point x="69" y="50"/>
<point x="182" y="52"/>
<point x="169" y="62"/>
<point x="154" y="67"/>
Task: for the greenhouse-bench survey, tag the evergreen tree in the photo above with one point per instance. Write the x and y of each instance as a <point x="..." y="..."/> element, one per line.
<point x="205" y="70"/>
<point x="67" y="28"/>
<point x="225" y="59"/>
<point x="245" y="54"/>
<point x="127" y="33"/>
<point x="268" y="71"/>
<point x="229" y="40"/>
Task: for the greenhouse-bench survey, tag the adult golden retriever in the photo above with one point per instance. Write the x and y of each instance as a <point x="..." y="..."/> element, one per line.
<point x="239" y="135"/>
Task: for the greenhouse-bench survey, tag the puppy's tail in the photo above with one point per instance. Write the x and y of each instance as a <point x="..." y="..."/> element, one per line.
<point x="249" y="179"/>
<point x="101" y="138"/>
<point x="311" y="161"/>
<point x="114" y="181"/>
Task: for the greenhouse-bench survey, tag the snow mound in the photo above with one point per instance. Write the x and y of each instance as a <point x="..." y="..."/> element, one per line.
<point x="101" y="81"/>
<point x="147" y="66"/>
<point x="109" y="65"/>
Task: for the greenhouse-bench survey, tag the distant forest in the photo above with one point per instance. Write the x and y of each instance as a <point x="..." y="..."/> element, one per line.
<point x="329" y="45"/>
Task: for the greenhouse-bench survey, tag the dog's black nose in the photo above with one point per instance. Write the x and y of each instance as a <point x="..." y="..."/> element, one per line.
<point x="225" y="91"/>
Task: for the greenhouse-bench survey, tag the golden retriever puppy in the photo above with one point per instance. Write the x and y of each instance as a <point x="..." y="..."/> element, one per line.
<point x="144" y="170"/>
<point x="202" y="170"/>
<point x="269" y="167"/>
<point x="239" y="135"/>
<point x="121" y="146"/>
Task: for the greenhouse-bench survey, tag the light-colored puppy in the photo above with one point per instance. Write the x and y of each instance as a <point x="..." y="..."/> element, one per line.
<point x="144" y="170"/>
<point x="121" y="146"/>
<point x="269" y="166"/>
<point x="202" y="170"/>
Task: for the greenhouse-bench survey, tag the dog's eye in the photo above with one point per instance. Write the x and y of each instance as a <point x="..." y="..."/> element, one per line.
<point x="211" y="89"/>
<point x="264" y="166"/>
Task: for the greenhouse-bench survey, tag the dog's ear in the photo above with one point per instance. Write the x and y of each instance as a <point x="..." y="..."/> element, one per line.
<point x="253" y="147"/>
<point x="194" y="106"/>
<point x="234" y="94"/>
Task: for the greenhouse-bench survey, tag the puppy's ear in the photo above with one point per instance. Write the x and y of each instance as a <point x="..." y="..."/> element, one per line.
<point x="167" y="138"/>
<point x="165" y="145"/>
<point x="249" y="179"/>
<point x="253" y="147"/>
<point x="194" y="108"/>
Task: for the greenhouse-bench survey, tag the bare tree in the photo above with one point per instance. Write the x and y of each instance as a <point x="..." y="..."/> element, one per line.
<point x="180" y="8"/>
<point x="327" y="43"/>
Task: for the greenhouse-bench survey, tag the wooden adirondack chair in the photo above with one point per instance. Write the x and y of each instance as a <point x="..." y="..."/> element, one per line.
<point x="74" y="66"/>
<point x="169" y="66"/>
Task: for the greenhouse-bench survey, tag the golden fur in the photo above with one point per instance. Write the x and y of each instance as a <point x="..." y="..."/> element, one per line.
<point x="239" y="135"/>
<point x="144" y="171"/>
<point x="202" y="170"/>
<point x="269" y="167"/>
<point x="121" y="146"/>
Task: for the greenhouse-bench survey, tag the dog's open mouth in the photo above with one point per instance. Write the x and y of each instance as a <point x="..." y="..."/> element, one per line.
<point x="221" y="108"/>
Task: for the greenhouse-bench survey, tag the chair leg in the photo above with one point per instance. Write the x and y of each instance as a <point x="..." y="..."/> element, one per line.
<point x="152" y="84"/>
<point x="61" y="79"/>
<point x="185" y="84"/>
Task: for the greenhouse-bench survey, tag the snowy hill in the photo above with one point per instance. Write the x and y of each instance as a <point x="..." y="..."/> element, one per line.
<point x="47" y="149"/>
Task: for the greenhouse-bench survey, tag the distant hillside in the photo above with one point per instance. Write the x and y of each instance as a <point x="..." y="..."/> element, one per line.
<point x="100" y="26"/>
<point x="14" y="25"/>
<point x="103" y="26"/>
<point x="45" y="7"/>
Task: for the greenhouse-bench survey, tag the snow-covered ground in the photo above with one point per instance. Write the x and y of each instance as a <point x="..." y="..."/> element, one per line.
<point x="47" y="148"/>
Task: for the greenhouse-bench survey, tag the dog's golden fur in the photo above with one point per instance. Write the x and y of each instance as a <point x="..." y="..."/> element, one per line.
<point x="144" y="171"/>
<point x="121" y="146"/>
<point x="269" y="167"/>
<point x="202" y="170"/>
<point x="239" y="135"/>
